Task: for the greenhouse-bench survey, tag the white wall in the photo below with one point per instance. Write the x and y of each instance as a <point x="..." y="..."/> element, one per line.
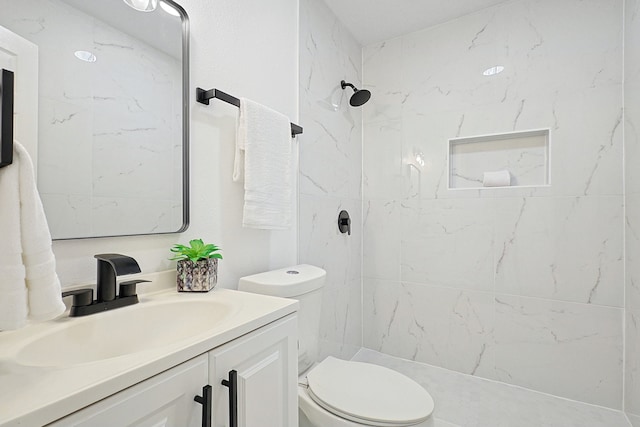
<point x="521" y="285"/>
<point x="330" y="172"/>
<point x="248" y="49"/>
<point x="632" y="204"/>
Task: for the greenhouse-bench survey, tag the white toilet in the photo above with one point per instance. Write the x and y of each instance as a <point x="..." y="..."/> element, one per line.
<point x="334" y="392"/>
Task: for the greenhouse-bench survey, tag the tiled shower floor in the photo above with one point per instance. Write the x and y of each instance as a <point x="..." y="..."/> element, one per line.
<point x="466" y="401"/>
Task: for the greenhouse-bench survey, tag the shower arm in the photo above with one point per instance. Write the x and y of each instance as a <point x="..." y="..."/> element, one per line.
<point x="345" y="84"/>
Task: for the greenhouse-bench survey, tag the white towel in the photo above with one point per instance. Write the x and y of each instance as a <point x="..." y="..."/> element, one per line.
<point x="29" y="285"/>
<point x="263" y="160"/>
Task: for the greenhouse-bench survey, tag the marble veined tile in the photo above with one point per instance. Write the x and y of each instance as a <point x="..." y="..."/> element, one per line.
<point x="448" y="243"/>
<point x="447" y="327"/>
<point x="466" y="401"/>
<point x="591" y="116"/>
<point x="632" y="368"/>
<point x="383" y="77"/>
<point x="331" y="146"/>
<point x="443" y="66"/>
<point x="632" y="246"/>
<point x="562" y="243"/>
<point x="381" y="238"/>
<point x="632" y="40"/>
<point x="592" y="119"/>
<point x="632" y="139"/>
<point x="560" y="248"/>
<point x="632" y="211"/>
<point x="425" y="147"/>
<point x="441" y="423"/>
<point x="321" y="242"/>
<point x="566" y="78"/>
<point x="331" y="151"/>
<point x="330" y="172"/>
<point x="566" y="349"/>
<point x="341" y="320"/>
<point x="382" y="160"/>
<point x="328" y="53"/>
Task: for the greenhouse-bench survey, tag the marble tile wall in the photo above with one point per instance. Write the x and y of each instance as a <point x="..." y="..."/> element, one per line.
<point x="330" y="172"/>
<point x="632" y="203"/>
<point x="105" y="145"/>
<point x="521" y="285"/>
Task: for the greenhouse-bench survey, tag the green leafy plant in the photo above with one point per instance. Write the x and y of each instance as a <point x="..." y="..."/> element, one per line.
<point x="196" y="251"/>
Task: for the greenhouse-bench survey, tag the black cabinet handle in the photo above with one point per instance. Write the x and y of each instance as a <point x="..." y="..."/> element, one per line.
<point x="232" y="383"/>
<point x="205" y="401"/>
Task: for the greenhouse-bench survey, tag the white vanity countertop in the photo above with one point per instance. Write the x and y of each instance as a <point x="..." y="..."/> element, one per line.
<point x="37" y="395"/>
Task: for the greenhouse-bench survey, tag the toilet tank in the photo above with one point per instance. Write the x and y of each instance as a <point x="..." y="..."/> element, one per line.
<point x="301" y="282"/>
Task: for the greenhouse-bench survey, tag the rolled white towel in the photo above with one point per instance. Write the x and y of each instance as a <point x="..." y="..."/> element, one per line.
<point x="43" y="285"/>
<point x="13" y="304"/>
<point x="29" y="285"/>
<point x="496" y="179"/>
<point x="13" y="290"/>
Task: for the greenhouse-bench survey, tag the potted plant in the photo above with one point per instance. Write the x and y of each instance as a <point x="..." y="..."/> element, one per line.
<point x="197" y="266"/>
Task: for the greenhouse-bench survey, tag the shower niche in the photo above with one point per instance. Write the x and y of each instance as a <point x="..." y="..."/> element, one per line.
<point x="513" y="159"/>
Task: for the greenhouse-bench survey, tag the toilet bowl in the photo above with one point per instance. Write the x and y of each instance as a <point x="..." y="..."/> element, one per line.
<point x="340" y="393"/>
<point x="335" y="392"/>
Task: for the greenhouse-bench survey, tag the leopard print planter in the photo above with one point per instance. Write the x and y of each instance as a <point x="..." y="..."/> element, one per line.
<point x="201" y="276"/>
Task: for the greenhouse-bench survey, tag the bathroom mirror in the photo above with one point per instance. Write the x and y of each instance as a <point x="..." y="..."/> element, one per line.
<point x="112" y="146"/>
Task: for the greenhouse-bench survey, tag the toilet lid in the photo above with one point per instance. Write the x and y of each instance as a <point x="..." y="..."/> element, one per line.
<point x="368" y="394"/>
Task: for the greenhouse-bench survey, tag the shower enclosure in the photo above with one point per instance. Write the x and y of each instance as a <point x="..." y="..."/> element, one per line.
<point x="535" y="285"/>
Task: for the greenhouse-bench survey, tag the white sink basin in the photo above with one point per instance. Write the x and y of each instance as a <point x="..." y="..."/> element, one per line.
<point x="123" y="331"/>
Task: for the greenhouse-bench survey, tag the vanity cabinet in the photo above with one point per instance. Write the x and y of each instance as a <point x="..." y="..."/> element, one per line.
<point x="165" y="400"/>
<point x="265" y="367"/>
<point x="265" y="387"/>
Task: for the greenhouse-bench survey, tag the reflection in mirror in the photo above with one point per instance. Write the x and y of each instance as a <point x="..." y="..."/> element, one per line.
<point x="112" y="102"/>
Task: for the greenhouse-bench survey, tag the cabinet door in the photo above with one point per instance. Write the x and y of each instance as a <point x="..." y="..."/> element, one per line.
<point x="165" y="400"/>
<point x="266" y="362"/>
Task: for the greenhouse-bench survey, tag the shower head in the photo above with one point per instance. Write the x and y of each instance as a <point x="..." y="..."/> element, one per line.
<point x="359" y="97"/>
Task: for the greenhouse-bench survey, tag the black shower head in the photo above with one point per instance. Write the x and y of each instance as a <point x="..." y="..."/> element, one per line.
<point x="359" y="97"/>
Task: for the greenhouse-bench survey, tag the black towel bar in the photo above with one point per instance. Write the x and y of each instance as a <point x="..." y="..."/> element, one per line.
<point x="203" y="97"/>
<point x="6" y="118"/>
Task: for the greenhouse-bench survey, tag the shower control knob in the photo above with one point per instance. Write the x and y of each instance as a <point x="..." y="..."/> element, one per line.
<point x="344" y="222"/>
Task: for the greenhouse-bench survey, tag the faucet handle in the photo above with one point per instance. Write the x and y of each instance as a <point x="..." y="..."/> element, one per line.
<point x="128" y="288"/>
<point x="81" y="297"/>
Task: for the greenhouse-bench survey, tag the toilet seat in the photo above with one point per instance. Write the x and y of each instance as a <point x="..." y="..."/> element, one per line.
<point x="368" y="394"/>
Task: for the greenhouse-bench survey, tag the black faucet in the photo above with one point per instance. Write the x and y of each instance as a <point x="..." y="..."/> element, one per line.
<point x="109" y="267"/>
